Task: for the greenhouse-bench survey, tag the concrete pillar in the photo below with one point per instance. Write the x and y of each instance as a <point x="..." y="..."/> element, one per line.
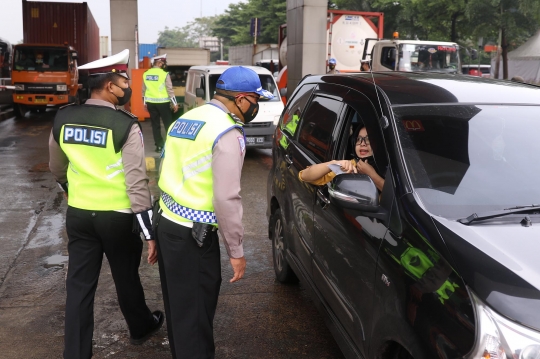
<point x="306" y="40"/>
<point x="124" y="19"/>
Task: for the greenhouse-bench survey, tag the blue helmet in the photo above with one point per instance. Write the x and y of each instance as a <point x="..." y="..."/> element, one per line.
<point x="331" y="61"/>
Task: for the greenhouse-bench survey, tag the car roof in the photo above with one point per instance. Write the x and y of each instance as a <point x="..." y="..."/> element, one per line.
<point x="218" y="69"/>
<point x="412" y="88"/>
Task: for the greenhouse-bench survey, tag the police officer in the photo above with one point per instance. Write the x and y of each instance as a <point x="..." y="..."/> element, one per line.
<point x="200" y="184"/>
<point x="332" y="66"/>
<point x="97" y="157"/>
<point x="158" y="96"/>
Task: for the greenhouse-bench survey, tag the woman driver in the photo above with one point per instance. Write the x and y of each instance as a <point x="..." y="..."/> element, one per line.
<point x="320" y="174"/>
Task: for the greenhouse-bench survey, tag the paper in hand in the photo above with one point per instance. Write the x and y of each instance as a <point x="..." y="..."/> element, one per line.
<point x="336" y="169"/>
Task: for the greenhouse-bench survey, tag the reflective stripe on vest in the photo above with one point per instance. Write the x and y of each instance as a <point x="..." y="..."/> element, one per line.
<point x="156" y="91"/>
<point x="96" y="172"/>
<point x="186" y="176"/>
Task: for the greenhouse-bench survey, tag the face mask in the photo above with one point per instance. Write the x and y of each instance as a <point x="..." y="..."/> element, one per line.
<point x="127" y="95"/>
<point x="39" y="61"/>
<point x="251" y="112"/>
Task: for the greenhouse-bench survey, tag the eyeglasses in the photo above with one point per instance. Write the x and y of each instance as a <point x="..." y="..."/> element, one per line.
<point x="246" y="95"/>
<point x="361" y="139"/>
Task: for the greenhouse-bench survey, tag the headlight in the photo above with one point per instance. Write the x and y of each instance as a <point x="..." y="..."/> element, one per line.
<point x="276" y="120"/>
<point x="500" y="338"/>
<point x="19" y="87"/>
<point x="61" y="87"/>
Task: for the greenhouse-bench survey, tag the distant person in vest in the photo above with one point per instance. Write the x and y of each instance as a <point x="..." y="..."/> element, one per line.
<point x="97" y="158"/>
<point x="200" y="184"/>
<point x="332" y="66"/>
<point x="158" y="97"/>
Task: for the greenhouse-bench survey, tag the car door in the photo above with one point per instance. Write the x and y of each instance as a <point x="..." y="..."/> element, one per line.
<point x="346" y="245"/>
<point x="296" y="200"/>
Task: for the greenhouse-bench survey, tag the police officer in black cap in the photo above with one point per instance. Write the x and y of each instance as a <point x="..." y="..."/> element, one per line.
<point x="97" y="157"/>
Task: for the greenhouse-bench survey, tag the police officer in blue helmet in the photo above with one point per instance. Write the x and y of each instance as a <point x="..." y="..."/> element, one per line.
<point x="332" y="66"/>
<point x="200" y="184"/>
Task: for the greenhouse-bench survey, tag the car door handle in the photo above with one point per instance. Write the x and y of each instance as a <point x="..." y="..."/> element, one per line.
<point x="288" y="159"/>
<point x="323" y="198"/>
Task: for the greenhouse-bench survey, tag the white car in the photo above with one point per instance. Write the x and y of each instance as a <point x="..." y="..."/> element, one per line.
<point x="201" y="86"/>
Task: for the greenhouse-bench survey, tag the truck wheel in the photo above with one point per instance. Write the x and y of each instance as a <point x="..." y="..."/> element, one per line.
<point x="283" y="270"/>
<point x="19" y="110"/>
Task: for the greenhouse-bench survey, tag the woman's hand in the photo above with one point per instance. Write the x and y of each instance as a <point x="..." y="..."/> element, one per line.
<point x="365" y="168"/>
<point x="346" y="166"/>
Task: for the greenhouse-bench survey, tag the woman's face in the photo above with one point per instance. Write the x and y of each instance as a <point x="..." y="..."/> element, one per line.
<point x="363" y="147"/>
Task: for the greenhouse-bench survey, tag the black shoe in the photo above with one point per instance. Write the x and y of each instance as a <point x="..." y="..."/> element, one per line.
<point x="158" y="149"/>
<point x="159" y="317"/>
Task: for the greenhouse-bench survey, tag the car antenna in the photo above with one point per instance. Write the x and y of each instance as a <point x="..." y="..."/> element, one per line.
<point x="383" y="119"/>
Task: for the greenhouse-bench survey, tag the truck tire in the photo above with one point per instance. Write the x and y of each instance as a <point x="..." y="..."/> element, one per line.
<point x="19" y="110"/>
<point x="284" y="272"/>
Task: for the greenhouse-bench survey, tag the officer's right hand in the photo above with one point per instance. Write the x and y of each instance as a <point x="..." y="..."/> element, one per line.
<point x="239" y="267"/>
<point x="152" y="252"/>
<point x="145" y="107"/>
<point x="175" y="108"/>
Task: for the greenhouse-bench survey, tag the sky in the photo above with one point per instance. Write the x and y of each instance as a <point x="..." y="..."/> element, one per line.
<point x="154" y="15"/>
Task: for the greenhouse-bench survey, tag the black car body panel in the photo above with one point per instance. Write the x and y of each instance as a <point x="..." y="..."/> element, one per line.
<point x="401" y="276"/>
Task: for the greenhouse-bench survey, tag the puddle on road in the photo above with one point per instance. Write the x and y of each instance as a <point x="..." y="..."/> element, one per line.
<point x="49" y="233"/>
<point x="56" y="261"/>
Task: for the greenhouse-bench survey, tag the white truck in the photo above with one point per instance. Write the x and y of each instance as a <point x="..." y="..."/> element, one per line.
<point x="412" y="55"/>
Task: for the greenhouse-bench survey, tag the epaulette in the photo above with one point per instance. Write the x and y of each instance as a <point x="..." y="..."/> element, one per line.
<point x="127" y="113"/>
<point x="69" y="104"/>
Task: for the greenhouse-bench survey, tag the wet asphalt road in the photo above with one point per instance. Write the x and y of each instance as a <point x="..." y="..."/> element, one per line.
<point x="256" y="318"/>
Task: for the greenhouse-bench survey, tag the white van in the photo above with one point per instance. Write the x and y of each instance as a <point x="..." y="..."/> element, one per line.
<point x="200" y="88"/>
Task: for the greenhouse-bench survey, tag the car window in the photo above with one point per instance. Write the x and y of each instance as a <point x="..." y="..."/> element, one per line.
<point x="471" y="158"/>
<point x="388" y="57"/>
<point x="190" y="82"/>
<point x="295" y="108"/>
<point x="317" y="125"/>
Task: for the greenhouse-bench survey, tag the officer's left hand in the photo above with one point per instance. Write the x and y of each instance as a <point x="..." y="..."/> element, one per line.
<point x="175" y="108"/>
<point x="152" y="252"/>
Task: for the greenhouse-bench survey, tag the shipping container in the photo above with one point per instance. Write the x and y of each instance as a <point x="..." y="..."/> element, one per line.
<point x="185" y="56"/>
<point x="148" y="50"/>
<point x="249" y="55"/>
<point x="59" y="23"/>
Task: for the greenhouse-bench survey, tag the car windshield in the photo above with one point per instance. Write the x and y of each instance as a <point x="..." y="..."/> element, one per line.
<point x="267" y="83"/>
<point x="428" y="58"/>
<point x="467" y="159"/>
<point x="40" y="59"/>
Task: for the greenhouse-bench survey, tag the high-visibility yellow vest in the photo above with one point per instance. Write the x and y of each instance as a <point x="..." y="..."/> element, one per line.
<point x="186" y="177"/>
<point x="156" y="91"/>
<point x="291" y="128"/>
<point x="92" y="138"/>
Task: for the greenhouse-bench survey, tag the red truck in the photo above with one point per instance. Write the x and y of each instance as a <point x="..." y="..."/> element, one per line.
<point x="57" y="37"/>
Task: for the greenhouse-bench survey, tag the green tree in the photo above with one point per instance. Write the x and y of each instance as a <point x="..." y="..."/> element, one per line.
<point x="234" y="26"/>
<point x="513" y="21"/>
<point x="188" y="35"/>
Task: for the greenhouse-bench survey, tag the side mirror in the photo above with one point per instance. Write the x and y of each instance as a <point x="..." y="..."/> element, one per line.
<point x="74" y="55"/>
<point x="283" y="92"/>
<point x="199" y="92"/>
<point x="354" y="191"/>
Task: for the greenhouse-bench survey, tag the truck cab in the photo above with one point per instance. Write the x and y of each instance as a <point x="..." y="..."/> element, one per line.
<point x="44" y="75"/>
<point x="415" y="56"/>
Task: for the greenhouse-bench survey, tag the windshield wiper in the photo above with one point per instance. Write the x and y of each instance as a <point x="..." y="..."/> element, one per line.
<point x="487" y="215"/>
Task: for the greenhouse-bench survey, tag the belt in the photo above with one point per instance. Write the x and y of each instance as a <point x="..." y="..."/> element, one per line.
<point x="194" y="215"/>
